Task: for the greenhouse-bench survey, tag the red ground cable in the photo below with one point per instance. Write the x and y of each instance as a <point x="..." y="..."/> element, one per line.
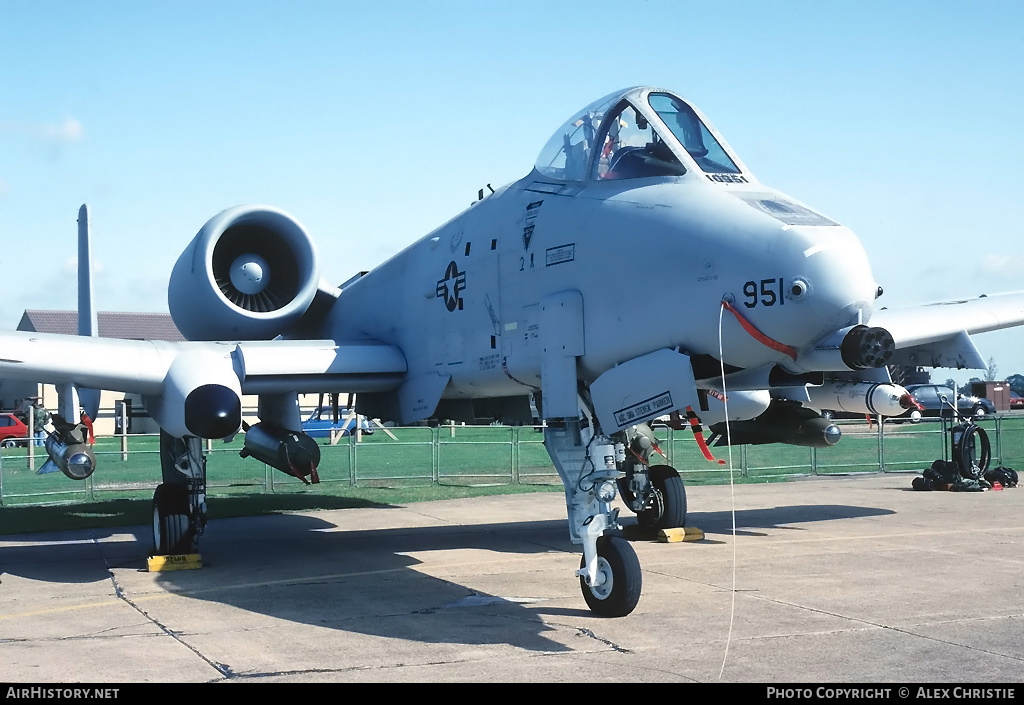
<point x="758" y="335"/>
<point x="698" y="434"/>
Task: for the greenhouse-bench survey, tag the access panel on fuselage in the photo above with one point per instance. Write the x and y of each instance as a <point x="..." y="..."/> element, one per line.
<point x="462" y="315"/>
<point x="537" y="254"/>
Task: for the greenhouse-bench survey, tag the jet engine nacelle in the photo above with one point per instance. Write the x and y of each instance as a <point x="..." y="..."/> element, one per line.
<point x="249" y="273"/>
<point x="860" y="398"/>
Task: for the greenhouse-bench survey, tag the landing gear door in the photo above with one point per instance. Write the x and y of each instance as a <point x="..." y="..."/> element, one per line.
<point x="562" y="338"/>
<point x="644" y="388"/>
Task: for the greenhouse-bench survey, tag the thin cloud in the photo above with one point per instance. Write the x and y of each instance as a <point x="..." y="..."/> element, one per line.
<point x="66" y="131"/>
<point x="70" y="266"/>
<point x="69" y="130"/>
<point x="1002" y="264"/>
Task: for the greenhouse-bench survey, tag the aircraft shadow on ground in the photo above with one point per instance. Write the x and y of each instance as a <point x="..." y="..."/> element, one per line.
<point x="65" y="553"/>
<point x="778" y="517"/>
<point x="130" y="512"/>
<point x="304" y="569"/>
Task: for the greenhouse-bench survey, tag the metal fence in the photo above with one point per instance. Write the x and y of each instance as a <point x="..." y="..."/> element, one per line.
<point x="490" y="455"/>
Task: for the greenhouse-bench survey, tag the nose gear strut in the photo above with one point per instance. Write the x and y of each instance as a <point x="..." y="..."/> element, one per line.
<point x="588" y="464"/>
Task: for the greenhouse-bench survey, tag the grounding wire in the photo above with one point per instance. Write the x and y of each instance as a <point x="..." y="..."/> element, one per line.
<point x="732" y="488"/>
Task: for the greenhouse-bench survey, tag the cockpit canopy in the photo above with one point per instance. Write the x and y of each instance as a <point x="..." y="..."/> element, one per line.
<point x="634" y="133"/>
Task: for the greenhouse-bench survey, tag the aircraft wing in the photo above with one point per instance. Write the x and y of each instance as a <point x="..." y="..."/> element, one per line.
<point x="170" y="371"/>
<point x="938" y="335"/>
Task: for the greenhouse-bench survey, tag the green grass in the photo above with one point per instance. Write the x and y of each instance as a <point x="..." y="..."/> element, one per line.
<point x="424" y="464"/>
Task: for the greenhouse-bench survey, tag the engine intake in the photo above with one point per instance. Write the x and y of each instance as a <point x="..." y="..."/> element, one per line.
<point x="248" y="274"/>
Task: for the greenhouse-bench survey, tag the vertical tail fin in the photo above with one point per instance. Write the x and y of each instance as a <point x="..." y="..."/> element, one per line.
<point x="88" y="323"/>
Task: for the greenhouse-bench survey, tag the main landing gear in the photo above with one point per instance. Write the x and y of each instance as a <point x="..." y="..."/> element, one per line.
<point x="179" y="503"/>
<point x="592" y="467"/>
<point x="654" y="492"/>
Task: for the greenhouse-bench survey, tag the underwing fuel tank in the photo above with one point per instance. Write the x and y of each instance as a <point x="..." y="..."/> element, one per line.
<point x="783" y="422"/>
<point x="861" y="398"/>
<point x="292" y="452"/>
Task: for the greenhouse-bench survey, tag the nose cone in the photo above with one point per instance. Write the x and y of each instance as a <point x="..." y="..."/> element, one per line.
<point x="830" y="283"/>
<point x="823" y="283"/>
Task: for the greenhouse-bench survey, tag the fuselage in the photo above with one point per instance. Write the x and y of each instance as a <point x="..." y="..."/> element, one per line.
<point x="653" y="262"/>
<point x="653" y="257"/>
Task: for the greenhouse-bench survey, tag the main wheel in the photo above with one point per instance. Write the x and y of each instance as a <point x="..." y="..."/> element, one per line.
<point x="617" y="563"/>
<point x="668" y="510"/>
<point x="170" y="520"/>
<point x="978" y="411"/>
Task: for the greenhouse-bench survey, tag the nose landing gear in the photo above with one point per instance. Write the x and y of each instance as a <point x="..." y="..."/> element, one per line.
<point x="592" y="467"/>
<point x="588" y="464"/>
<point x="616" y="589"/>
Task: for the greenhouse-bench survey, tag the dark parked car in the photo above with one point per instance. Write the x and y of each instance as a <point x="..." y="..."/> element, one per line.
<point x="930" y="397"/>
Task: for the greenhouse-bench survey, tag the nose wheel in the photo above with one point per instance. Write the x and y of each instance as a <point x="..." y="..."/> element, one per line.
<point x="616" y="590"/>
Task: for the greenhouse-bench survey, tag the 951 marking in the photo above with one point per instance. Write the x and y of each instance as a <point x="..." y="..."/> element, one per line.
<point x="771" y="292"/>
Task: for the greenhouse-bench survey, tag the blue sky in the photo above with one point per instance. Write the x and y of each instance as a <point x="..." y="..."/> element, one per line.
<point x="372" y="123"/>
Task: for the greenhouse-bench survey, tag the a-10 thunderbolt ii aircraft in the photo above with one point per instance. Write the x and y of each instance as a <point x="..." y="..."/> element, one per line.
<point x="639" y="270"/>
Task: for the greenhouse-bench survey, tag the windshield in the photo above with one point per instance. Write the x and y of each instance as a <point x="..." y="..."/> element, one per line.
<point x="631" y="148"/>
<point x="567" y="153"/>
<point x="693" y="134"/>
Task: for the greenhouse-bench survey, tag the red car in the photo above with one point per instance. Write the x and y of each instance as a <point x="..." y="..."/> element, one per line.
<point x="1016" y="401"/>
<point x="11" y="429"/>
